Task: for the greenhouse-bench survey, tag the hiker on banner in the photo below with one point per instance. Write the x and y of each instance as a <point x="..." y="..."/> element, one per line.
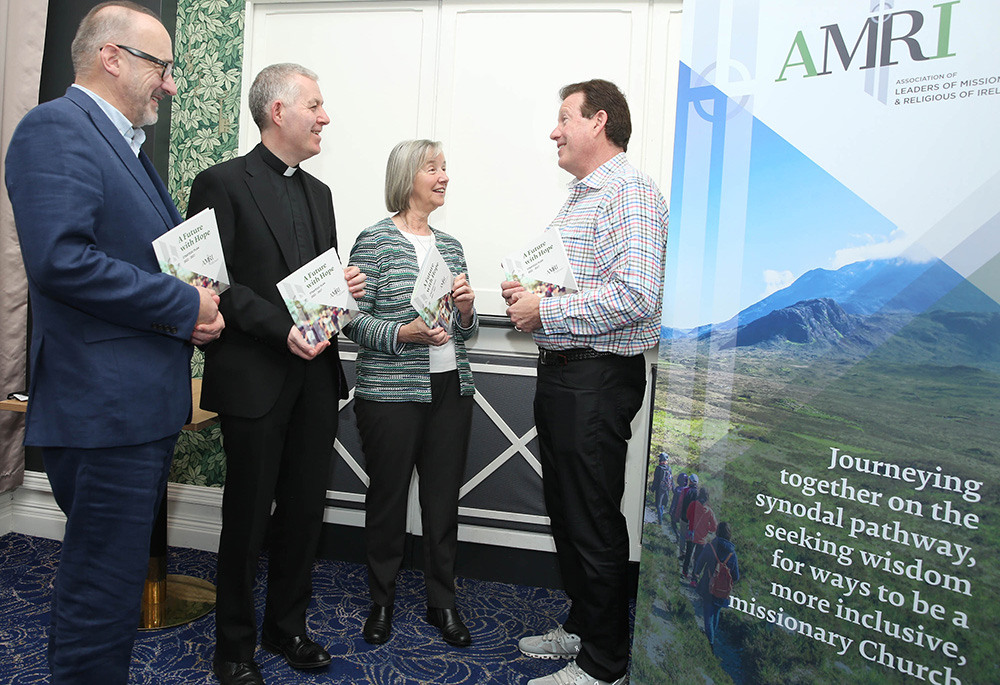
<point x="719" y="570"/>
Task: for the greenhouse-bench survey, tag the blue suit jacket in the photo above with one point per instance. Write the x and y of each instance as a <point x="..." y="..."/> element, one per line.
<point x="109" y="351"/>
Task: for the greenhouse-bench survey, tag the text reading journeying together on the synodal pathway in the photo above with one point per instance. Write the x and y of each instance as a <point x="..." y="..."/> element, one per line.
<point x="902" y="570"/>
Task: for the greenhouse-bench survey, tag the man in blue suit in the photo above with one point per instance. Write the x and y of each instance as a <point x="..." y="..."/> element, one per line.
<point x="112" y="336"/>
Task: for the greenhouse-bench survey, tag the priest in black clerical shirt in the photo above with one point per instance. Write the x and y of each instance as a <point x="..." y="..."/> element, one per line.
<point x="275" y="392"/>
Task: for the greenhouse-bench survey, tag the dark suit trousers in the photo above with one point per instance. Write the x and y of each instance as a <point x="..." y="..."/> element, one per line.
<point x="110" y="497"/>
<point x="283" y="457"/>
<point x="434" y="437"/>
<point x="583" y="412"/>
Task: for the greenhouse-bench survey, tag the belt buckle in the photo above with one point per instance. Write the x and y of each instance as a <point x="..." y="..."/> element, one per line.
<point x="552" y="357"/>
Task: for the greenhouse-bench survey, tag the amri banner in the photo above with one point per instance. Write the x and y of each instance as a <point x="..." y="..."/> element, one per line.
<point x="828" y="398"/>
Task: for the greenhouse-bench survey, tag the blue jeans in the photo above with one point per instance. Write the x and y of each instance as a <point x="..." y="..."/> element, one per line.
<point x="711" y="610"/>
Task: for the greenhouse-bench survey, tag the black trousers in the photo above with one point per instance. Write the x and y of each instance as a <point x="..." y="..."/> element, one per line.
<point x="283" y="457"/>
<point x="689" y="548"/>
<point x="583" y="412"/>
<point x="434" y="437"/>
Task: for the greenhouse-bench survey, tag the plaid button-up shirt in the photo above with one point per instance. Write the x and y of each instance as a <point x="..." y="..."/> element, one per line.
<point x="614" y="228"/>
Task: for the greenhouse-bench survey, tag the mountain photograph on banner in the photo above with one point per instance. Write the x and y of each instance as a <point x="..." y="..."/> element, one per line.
<point x="829" y="366"/>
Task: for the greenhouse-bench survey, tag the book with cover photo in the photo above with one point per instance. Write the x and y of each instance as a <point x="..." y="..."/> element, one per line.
<point x="192" y="252"/>
<point x="318" y="298"/>
<point x="542" y="266"/>
<point x="432" y="291"/>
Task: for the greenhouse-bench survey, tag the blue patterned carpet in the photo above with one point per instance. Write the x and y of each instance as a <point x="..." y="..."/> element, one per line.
<point x="497" y="614"/>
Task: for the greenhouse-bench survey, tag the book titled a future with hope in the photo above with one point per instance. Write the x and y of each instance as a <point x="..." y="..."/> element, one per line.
<point x="432" y="291"/>
<point x="192" y="251"/>
<point x="318" y="298"/>
<point x="541" y="266"/>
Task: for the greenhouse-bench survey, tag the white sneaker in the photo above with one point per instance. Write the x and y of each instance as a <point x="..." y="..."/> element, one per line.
<point x="555" y="644"/>
<point x="574" y="675"/>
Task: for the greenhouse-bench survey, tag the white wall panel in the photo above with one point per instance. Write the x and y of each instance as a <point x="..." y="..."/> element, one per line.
<point x="376" y="63"/>
<point x="499" y="101"/>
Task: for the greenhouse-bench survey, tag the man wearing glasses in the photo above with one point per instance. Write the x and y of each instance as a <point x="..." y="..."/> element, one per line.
<point x="112" y="336"/>
<point x="167" y="67"/>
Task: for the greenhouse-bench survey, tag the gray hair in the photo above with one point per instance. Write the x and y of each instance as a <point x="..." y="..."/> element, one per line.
<point x="275" y="82"/>
<point x="96" y="31"/>
<point x="404" y="162"/>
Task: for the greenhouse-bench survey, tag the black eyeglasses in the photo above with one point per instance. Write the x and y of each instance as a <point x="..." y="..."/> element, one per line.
<point x="168" y="67"/>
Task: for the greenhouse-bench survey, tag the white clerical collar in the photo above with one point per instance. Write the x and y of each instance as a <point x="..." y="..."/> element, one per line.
<point x="273" y="161"/>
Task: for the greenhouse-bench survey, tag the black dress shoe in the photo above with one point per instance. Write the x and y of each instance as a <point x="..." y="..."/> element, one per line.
<point x="378" y="627"/>
<point x="299" y="651"/>
<point x="237" y="672"/>
<point x="452" y="629"/>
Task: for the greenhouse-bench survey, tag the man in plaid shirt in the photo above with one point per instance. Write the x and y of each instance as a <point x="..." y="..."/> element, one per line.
<point x="592" y="375"/>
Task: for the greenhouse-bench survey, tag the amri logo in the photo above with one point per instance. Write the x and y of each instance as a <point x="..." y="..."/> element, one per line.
<point x="878" y="39"/>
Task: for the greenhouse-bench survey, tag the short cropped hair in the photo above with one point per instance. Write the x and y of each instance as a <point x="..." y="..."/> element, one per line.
<point x="597" y="95"/>
<point x="275" y="82"/>
<point x="96" y="31"/>
<point x="404" y="162"/>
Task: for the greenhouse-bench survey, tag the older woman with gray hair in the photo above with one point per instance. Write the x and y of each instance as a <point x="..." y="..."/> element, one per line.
<point x="413" y="398"/>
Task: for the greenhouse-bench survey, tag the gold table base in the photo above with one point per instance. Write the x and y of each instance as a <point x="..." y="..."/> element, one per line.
<point x="173" y="600"/>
